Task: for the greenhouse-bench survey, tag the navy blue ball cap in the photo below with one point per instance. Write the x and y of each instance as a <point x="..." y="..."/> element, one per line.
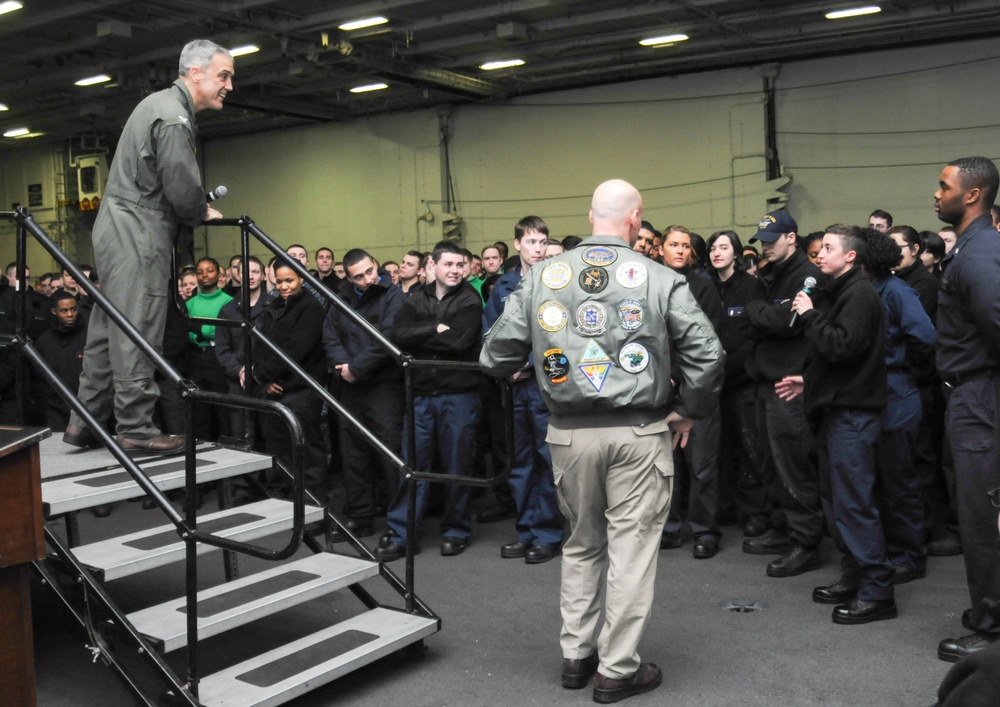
<point x="774" y="225"/>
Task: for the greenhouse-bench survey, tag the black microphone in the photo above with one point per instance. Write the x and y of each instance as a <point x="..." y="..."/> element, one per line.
<point x="810" y="282"/>
<point x="217" y="193"/>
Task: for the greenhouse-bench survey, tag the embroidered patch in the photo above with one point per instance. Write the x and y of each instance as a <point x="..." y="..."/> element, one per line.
<point x="591" y="319"/>
<point x="594" y="279"/>
<point x="556" y="366"/>
<point x="594" y="354"/>
<point x="552" y="316"/>
<point x="633" y="357"/>
<point x="630" y="313"/>
<point x="599" y="255"/>
<point x="631" y="274"/>
<point x="556" y="276"/>
<point x="596" y="373"/>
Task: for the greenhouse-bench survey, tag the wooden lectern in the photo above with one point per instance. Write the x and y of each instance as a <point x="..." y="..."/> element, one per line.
<point x="21" y="541"/>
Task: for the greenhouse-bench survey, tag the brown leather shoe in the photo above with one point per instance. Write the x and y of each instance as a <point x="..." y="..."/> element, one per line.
<point x="160" y="443"/>
<point x="577" y="673"/>
<point x="646" y="679"/>
<point x="80" y="437"/>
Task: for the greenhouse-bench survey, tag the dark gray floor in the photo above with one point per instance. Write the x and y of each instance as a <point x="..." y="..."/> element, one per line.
<point x="499" y="642"/>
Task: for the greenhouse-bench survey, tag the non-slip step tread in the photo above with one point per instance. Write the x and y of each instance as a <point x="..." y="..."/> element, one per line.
<point x="108" y="485"/>
<point x="236" y="603"/>
<point x="291" y="670"/>
<point x="155" y="547"/>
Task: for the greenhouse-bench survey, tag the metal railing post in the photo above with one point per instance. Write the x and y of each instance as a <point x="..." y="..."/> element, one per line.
<point x="411" y="485"/>
<point x="191" y="546"/>
<point x="20" y="323"/>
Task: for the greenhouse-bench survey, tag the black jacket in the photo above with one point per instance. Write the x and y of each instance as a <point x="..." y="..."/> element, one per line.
<point x="734" y="329"/>
<point x="845" y="367"/>
<point x="295" y="325"/>
<point x="926" y="285"/>
<point x="415" y="331"/>
<point x="229" y="340"/>
<point x="176" y="344"/>
<point x="780" y="350"/>
<point x="37" y="310"/>
<point x="346" y="342"/>
<point x="62" y="349"/>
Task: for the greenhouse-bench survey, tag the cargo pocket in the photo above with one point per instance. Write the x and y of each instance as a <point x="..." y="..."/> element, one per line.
<point x="559" y="442"/>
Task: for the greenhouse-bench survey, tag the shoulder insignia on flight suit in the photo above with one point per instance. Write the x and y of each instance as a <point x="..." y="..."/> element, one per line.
<point x="631" y="274"/>
<point x="556" y="366"/>
<point x="552" y="316"/>
<point x="594" y="354"/>
<point x="633" y="357"/>
<point x="556" y="276"/>
<point x="594" y="279"/>
<point x="599" y="255"/>
<point x="630" y="313"/>
<point x="591" y="319"/>
<point x="596" y="373"/>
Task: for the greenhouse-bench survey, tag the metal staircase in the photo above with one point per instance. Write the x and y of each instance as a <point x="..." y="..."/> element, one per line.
<point x="271" y="678"/>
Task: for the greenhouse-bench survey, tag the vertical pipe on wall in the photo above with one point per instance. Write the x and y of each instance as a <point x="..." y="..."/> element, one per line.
<point x="770" y="123"/>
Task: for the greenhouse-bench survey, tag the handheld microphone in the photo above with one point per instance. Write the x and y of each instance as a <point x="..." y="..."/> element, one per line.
<point x="807" y="285"/>
<point x="217" y="193"/>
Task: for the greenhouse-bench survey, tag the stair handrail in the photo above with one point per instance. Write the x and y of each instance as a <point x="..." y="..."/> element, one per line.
<point x="186" y="527"/>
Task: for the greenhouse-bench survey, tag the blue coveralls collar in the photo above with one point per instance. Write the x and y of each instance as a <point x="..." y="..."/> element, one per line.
<point x="975" y="227"/>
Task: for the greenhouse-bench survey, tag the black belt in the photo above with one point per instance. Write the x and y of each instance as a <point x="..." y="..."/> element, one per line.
<point x="956" y="379"/>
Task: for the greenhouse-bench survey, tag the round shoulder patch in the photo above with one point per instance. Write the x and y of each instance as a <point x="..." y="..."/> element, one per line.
<point x="556" y="276"/>
<point x="591" y="319"/>
<point x="631" y="274"/>
<point x="552" y="316"/>
<point x="599" y="255"/>
<point x="633" y="357"/>
<point x="630" y="314"/>
<point x="556" y="366"/>
<point x="594" y="279"/>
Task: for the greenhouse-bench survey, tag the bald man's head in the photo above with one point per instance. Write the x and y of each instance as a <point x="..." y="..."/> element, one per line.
<point x="616" y="210"/>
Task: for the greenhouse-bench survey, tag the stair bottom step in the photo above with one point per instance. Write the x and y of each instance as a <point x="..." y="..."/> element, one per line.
<point x="303" y="665"/>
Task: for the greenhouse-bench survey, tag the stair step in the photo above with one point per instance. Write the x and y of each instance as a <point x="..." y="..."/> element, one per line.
<point x="128" y="554"/>
<point x="74" y="493"/>
<point x="236" y="603"/>
<point x="291" y="670"/>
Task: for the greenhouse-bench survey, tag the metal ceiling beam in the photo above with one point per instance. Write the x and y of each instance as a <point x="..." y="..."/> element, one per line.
<point x="31" y="20"/>
<point x="433" y="76"/>
<point x="596" y="19"/>
<point x="282" y="106"/>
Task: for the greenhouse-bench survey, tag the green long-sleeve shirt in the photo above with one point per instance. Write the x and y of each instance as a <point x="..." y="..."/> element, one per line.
<point x="202" y="305"/>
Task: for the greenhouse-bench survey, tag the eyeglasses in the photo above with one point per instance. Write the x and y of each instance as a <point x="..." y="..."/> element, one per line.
<point x="994" y="497"/>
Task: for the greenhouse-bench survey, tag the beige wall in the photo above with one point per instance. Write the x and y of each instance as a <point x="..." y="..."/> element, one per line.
<point x="366" y="183"/>
<point x="880" y="144"/>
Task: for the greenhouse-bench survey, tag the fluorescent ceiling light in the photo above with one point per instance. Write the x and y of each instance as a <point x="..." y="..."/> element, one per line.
<point x="665" y="39"/>
<point x="10" y="6"/>
<point x="16" y="132"/>
<point x="91" y="80"/>
<point x="245" y="49"/>
<point x="3" y="107"/>
<point x="362" y="24"/>
<point x="853" y="12"/>
<point x="507" y="64"/>
<point x="369" y="87"/>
